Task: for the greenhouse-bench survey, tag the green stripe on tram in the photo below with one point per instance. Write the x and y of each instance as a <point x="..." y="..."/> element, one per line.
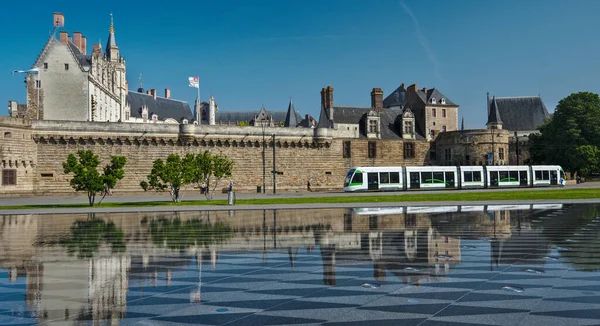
<point x="508" y="179"/>
<point x="435" y="181"/>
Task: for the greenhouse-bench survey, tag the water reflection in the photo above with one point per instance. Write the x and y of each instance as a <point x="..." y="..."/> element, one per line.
<point x="88" y="267"/>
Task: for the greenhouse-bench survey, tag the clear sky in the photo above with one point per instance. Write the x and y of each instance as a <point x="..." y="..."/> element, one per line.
<point x="253" y="52"/>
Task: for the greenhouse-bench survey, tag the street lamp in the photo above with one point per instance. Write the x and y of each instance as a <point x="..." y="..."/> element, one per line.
<point x="263" y="157"/>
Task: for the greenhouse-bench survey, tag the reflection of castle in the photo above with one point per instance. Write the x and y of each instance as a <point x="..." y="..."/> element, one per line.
<point x="413" y="248"/>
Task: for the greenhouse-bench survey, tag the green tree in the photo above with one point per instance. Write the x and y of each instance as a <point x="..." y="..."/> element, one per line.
<point x="570" y="136"/>
<point x="171" y="174"/>
<point x="210" y="169"/>
<point x="87" y="177"/>
<point x="222" y="167"/>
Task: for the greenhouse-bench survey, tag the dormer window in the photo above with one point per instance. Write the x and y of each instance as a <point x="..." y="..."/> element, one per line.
<point x="432" y="100"/>
<point x="373" y="126"/>
<point x="443" y="101"/>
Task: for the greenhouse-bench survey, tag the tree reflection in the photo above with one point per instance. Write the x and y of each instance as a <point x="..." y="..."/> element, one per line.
<point x="176" y="234"/>
<point x="87" y="236"/>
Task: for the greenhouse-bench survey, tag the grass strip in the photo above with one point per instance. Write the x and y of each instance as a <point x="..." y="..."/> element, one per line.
<point x="551" y="194"/>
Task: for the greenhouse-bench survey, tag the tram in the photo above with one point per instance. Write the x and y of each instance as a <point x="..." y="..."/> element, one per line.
<point x="399" y="178"/>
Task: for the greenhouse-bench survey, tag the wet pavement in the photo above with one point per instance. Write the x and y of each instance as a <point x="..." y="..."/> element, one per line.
<point x="408" y="265"/>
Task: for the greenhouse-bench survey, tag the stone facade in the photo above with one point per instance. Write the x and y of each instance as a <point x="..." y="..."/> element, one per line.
<point x="301" y="154"/>
<point x="18" y="157"/>
<point x="470" y="147"/>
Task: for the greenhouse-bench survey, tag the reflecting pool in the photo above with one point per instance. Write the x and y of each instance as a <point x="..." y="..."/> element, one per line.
<point x="501" y="264"/>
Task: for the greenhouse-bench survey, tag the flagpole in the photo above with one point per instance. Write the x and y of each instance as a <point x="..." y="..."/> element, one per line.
<point x="199" y="104"/>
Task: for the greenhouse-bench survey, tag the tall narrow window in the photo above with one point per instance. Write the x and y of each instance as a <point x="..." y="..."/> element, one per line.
<point x="372" y="149"/>
<point x="448" y="154"/>
<point x="433" y="113"/>
<point x="9" y="177"/>
<point x="501" y="154"/>
<point x="444" y="128"/>
<point x="443" y="113"/>
<point x="38" y="84"/>
<point x="347" y="149"/>
<point x="408" y="127"/>
<point x="45" y="65"/>
<point x="66" y="66"/>
<point x="409" y="150"/>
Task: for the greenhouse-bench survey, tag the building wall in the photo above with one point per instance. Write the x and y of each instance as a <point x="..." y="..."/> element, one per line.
<point x="470" y="147"/>
<point x="17" y="152"/>
<point x="450" y="121"/>
<point x="347" y="130"/>
<point x="65" y="91"/>
<point x="388" y="153"/>
<point x="301" y="154"/>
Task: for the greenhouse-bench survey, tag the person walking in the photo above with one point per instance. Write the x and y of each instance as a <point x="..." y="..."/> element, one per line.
<point x="230" y="185"/>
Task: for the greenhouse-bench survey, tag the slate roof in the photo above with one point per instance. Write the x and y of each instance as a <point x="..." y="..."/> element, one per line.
<point x="388" y="121"/>
<point x="235" y="116"/>
<point x="493" y="115"/>
<point x="521" y="113"/>
<point x="85" y="61"/>
<point x="435" y="94"/>
<point x="291" y="116"/>
<point x="396" y="98"/>
<point x="164" y="107"/>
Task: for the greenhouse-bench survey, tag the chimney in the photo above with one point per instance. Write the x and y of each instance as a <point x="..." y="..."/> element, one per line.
<point x="153" y="93"/>
<point x="149" y="92"/>
<point x="402" y="86"/>
<point x="77" y="40"/>
<point x="83" y="45"/>
<point x="64" y="37"/>
<point x="329" y="97"/>
<point x="167" y="93"/>
<point x="425" y="90"/>
<point x="377" y="98"/>
<point x="323" y="90"/>
<point x="59" y="19"/>
<point x="412" y="88"/>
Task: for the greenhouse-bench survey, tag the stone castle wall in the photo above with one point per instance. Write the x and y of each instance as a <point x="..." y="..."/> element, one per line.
<point x="470" y="147"/>
<point x="18" y="153"/>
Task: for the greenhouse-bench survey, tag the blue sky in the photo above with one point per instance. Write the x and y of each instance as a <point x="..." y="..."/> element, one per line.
<point x="250" y="53"/>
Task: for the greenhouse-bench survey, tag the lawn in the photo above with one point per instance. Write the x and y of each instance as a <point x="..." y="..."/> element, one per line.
<point x="550" y="194"/>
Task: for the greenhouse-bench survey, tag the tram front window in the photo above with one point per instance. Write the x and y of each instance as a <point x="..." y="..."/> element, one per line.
<point x="348" y="178"/>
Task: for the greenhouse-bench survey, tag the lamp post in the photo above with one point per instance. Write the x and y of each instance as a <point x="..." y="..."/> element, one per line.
<point x="263" y="158"/>
<point x="517" y="141"/>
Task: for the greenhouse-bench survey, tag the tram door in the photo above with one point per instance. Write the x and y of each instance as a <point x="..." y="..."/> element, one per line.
<point x="450" y="180"/>
<point x="373" y="181"/>
<point x="553" y="178"/>
<point x="415" y="180"/>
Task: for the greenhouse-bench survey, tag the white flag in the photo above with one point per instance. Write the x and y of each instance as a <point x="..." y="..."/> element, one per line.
<point x="33" y="70"/>
<point x="194" y="82"/>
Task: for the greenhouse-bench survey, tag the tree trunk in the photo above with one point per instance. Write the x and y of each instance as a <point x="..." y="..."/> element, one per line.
<point x="91" y="198"/>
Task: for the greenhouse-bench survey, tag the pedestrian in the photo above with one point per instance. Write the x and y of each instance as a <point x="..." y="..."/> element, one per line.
<point x="308" y="185"/>
<point x="562" y="182"/>
<point x="203" y="187"/>
<point x="230" y="185"/>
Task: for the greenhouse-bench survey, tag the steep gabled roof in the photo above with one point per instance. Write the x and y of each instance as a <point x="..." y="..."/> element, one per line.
<point x="436" y="94"/>
<point x="324" y="119"/>
<point x="521" y="113"/>
<point x="396" y="98"/>
<point x="494" y="115"/>
<point x="83" y="60"/>
<point x="164" y="107"/>
<point x="291" y="116"/>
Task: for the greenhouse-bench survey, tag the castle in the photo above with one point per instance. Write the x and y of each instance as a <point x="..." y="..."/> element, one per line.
<point x="80" y="101"/>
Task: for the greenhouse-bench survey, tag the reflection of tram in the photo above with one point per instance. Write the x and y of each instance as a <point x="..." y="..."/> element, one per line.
<point x="451" y="177"/>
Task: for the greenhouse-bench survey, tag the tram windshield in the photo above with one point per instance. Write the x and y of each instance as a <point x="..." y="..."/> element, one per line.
<point x="348" y="177"/>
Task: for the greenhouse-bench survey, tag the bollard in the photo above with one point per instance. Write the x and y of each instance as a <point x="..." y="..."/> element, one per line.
<point x="231" y="198"/>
